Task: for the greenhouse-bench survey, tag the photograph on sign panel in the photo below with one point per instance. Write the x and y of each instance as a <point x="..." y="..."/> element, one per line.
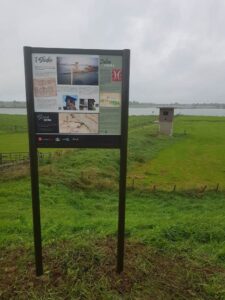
<point x="70" y="102"/>
<point x="89" y="98"/>
<point x="45" y="87"/>
<point x="78" y="123"/>
<point x="110" y="99"/>
<point x="88" y="105"/>
<point x="68" y="97"/>
<point x="77" y="70"/>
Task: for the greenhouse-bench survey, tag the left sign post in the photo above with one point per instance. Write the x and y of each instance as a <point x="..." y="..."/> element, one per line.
<point x="33" y="163"/>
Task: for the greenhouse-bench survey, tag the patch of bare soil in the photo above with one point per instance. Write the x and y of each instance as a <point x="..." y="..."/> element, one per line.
<point x="88" y="271"/>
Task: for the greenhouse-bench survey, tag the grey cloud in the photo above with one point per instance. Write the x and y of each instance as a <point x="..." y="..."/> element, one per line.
<point x="177" y="47"/>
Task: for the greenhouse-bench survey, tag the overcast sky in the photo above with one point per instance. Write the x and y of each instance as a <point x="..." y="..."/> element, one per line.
<point x="177" y="46"/>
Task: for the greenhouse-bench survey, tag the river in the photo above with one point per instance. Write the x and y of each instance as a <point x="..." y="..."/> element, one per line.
<point x="219" y="112"/>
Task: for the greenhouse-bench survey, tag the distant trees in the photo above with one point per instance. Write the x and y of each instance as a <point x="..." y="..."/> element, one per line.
<point x="12" y="104"/>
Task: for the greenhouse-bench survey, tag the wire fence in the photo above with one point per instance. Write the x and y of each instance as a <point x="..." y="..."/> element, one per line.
<point x="17" y="158"/>
<point x="140" y="183"/>
<point x="10" y="160"/>
<point x="13" y="129"/>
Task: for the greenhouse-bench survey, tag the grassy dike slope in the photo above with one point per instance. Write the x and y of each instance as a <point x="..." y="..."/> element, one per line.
<point x="175" y="241"/>
<point x="199" y="159"/>
<point x="194" y="158"/>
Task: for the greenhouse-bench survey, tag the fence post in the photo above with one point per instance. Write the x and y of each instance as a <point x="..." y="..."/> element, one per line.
<point x="217" y="187"/>
<point x="133" y="184"/>
<point x="203" y="189"/>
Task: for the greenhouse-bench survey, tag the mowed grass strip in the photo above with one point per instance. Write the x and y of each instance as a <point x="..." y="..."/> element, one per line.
<point x="194" y="158"/>
<point x="14" y="135"/>
<point x="14" y="142"/>
<point x="13" y="123"/>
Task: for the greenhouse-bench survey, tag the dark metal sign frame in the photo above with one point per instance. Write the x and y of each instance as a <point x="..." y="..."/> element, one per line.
<point x="80" y="141"/>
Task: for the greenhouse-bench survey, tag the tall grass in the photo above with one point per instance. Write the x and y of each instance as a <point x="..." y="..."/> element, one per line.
<point x="175" y="240"/>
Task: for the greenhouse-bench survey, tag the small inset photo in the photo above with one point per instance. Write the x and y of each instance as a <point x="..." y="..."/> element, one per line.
<point x="70" y="102"/>
<point x="88" y="105"/>
<point x="110" y="99"/>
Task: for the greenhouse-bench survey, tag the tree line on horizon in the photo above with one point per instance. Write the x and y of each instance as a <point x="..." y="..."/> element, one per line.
<point x="134" y="103"/>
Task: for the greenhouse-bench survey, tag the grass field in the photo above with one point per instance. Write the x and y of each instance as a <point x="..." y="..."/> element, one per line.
<point x="194" y="157"/>
<point x="200" y="158"/>
<point x="13" y="134"/>
<point x="175" y="241"/>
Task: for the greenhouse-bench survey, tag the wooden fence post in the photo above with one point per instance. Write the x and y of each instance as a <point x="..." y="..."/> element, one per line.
<point x="203" y="189"/>
<point x="133" y="184"/>
<point x="217" y="187"/>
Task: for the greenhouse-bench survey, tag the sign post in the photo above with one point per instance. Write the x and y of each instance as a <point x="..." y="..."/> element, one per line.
<point x="123" y="162"/>
<point x="77" y="98"/>
<point x="33" y="164"/>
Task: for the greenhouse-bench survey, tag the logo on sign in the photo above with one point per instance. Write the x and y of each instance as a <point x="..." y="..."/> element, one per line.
<point x="43" y="59"/>
<point x="116" y="74"/>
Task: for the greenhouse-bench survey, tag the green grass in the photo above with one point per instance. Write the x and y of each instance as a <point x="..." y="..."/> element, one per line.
<point x="13" y="133"/>
<point x="190" y="224"/>
<point x="187" y="223"/>
<point x="77" y="269"/>
<point x="14" y="142"/>
<point x="13" y="123"/>
<point x="175" y="240"/>
<point x="193" y="157"/>
<point x="198" y="160"/>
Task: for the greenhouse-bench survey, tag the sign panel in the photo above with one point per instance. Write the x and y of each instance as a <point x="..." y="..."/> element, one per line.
<point x="77" y="98"/>
<point x="77" y="95"/>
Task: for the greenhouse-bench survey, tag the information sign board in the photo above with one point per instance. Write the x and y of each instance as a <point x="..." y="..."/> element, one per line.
<point x="76" y="97"/>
